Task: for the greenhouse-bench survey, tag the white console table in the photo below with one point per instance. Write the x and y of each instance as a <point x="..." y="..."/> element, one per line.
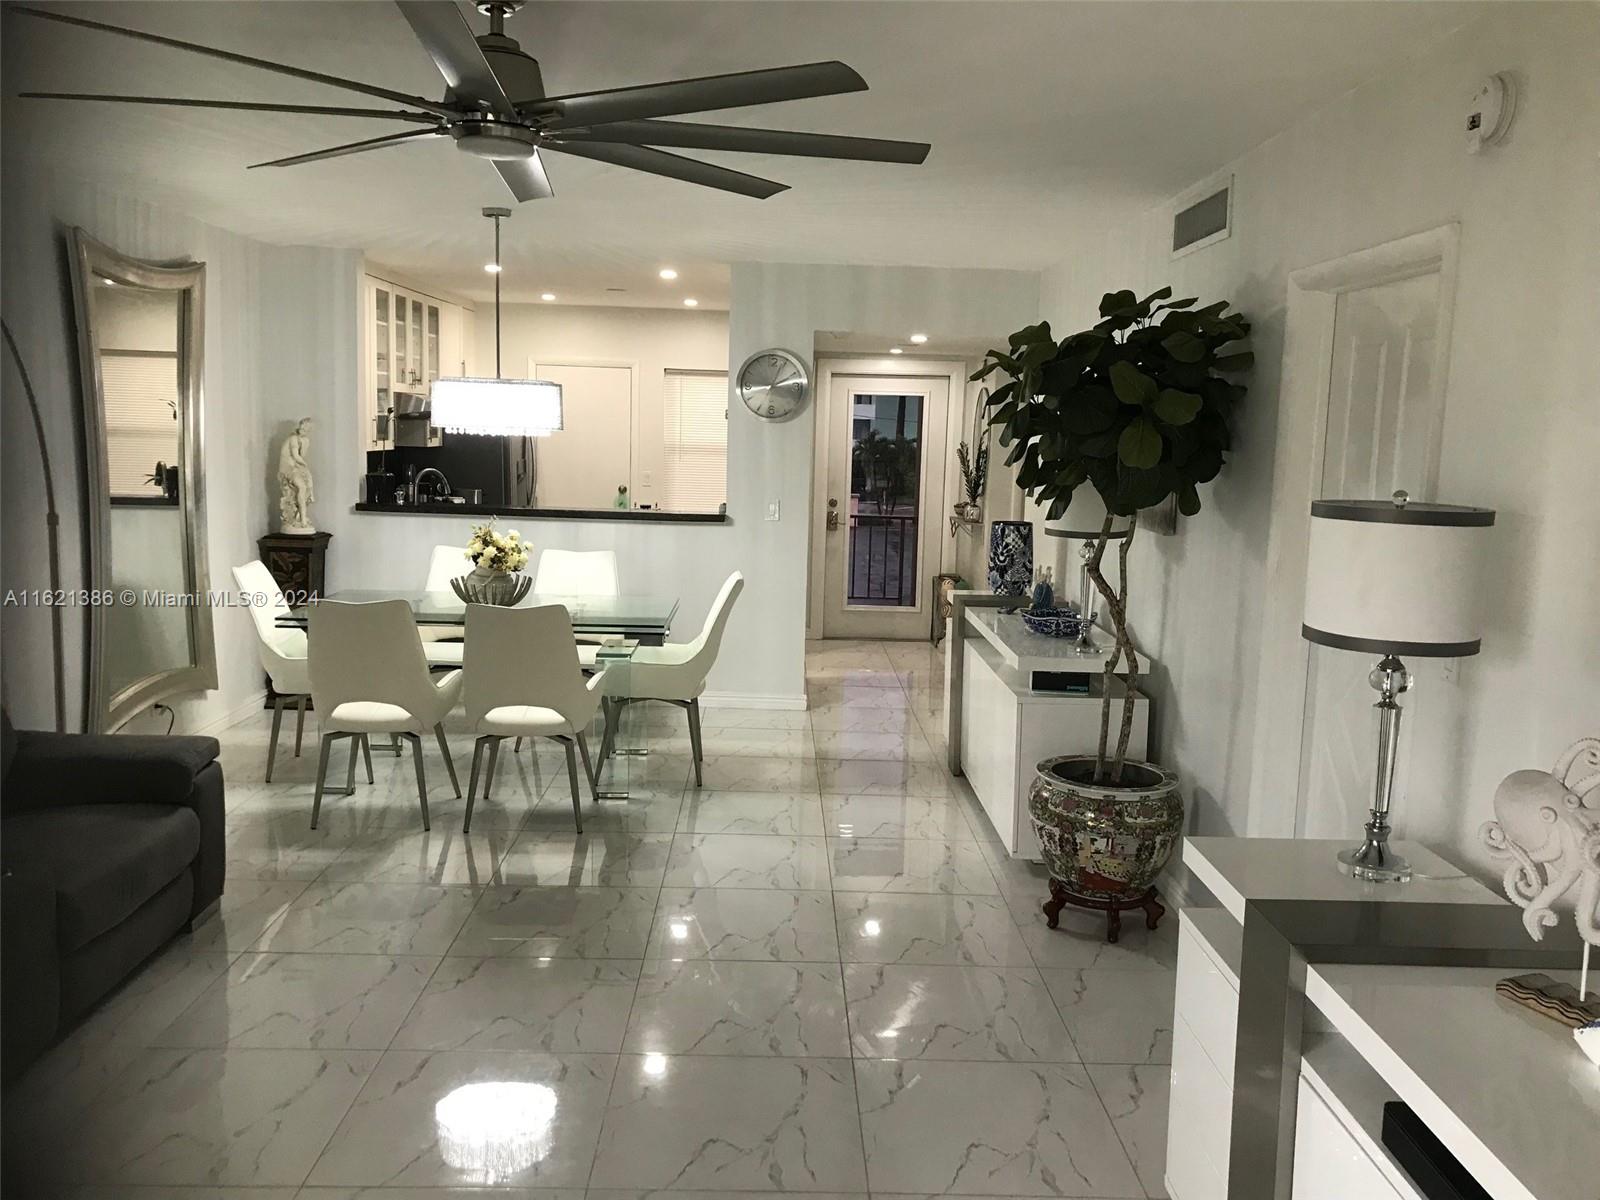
<point x="1001" y="725"/>
<point x="1506" y="1091"/>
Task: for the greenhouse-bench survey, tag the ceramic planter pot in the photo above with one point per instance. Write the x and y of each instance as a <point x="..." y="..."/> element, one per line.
<point x="1104" y="845"/>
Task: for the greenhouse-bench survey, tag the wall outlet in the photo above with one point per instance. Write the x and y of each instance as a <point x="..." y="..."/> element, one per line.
<point x="775" y="511"/>
<point x="646" y="479"/>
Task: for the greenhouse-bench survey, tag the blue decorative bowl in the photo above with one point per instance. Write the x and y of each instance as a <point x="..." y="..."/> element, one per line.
<point x="1053" y="622"/>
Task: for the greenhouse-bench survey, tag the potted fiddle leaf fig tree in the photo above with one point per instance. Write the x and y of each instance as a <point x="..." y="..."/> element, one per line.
<point x="1139" y="408"/>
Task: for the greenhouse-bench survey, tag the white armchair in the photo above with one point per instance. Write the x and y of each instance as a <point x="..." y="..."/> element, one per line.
<point x="523" y="680"/>
<point x="442" y="643"/>
<point x="576" y="573"/>
<point x="674" y="673"/>
<point x="369" y="675"/>
<point x="282" y="651"/>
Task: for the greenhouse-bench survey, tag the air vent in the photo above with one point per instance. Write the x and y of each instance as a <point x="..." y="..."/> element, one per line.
<point x="1201" y="221"/>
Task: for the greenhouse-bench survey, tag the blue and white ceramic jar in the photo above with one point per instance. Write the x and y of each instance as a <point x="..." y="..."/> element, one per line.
<point x="1010" y="558"/>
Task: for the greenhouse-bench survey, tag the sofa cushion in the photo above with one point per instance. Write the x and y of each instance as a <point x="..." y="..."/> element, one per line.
<point x="105" y="859"/>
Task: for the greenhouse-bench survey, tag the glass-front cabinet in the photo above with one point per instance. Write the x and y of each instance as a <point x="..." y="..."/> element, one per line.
<point x="410" y="339"/>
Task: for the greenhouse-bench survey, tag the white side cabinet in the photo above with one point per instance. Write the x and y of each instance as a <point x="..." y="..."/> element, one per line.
<point x="1007" y="729"/>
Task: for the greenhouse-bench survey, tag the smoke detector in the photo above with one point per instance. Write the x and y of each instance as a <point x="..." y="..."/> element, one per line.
<point x="1490" y="111"/>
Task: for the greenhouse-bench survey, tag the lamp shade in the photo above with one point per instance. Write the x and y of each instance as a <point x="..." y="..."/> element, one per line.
<point x="1086" y="517"/>
<point x="497" y="407"/>
<point x="1393" y="577"/>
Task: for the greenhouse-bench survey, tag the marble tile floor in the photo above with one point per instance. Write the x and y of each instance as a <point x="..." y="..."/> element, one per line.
<point x="817" y="973"/>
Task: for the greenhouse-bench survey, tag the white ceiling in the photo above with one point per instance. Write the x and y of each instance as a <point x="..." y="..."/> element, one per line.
<point x="1041" y="115"/>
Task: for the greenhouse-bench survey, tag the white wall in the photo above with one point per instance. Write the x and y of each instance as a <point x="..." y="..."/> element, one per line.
<point x="271" y="340"/>
<point x="651" y="340"/>
<point x="1522" y="417"/>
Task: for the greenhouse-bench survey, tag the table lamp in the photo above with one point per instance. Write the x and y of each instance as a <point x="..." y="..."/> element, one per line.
<point x="1390" y="577"/>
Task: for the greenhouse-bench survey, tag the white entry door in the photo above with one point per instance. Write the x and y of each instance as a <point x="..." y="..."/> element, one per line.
<point x="582" y="464"/>
<point x="884" y="503"/>
<point x="1382" y="434"/>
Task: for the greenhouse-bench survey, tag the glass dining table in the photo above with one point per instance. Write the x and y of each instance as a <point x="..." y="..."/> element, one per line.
<point x="644" y="619"/>
<point x="625" y="621"/>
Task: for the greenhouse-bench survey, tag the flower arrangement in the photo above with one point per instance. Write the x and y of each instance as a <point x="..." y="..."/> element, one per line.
<point x="491" y="550"/>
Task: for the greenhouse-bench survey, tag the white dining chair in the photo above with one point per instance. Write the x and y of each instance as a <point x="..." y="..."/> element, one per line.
<point x="523" y="680"/>
<point x="442" y="643"/>
<point x="369" y="675"/>
<point x="674" y="673"/>
<point x="576" y="573"/>
<point x="282" y="651"/>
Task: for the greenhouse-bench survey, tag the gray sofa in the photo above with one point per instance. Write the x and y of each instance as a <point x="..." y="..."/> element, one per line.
<point x="109" y="846"/>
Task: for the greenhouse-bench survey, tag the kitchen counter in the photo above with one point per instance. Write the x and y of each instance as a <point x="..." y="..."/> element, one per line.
<point x="543" y="514"/>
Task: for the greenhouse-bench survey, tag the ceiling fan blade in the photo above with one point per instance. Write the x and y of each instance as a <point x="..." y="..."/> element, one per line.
<point x="698" y="95"/>
<point x="757" y="141"/>
<point x="673" y="166"/>
<point x="446" y="36"/>
<point x="376" y="143"/>
<point x="386" y="114"/>
<point x="348" y="85"/>
<point x="525" y="177"/>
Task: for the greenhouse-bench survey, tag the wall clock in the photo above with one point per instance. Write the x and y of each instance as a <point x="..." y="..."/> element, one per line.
<point x="773" y="383"/>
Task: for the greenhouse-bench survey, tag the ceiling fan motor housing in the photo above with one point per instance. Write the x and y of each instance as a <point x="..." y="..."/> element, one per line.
<point x="489" y="137"/>
<point x="517" y="71"/>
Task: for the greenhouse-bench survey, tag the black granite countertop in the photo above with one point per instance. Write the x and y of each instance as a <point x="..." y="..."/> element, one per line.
<point x="543" y="514"/>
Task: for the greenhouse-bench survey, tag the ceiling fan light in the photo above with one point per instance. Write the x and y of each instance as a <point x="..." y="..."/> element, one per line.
<point x="496" y="407"/>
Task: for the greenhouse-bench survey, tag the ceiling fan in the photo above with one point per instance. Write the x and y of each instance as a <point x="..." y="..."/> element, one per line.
<point x="495" y="107"/>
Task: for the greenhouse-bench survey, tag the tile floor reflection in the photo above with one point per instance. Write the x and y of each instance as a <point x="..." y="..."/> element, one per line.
<point x="817" y="973"/>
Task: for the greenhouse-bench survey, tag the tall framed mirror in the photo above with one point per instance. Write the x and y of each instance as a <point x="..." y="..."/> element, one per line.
<point x="140" y="346"/>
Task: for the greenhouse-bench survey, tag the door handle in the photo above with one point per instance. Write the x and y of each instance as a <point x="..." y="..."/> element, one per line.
<point x="833" y="515"/>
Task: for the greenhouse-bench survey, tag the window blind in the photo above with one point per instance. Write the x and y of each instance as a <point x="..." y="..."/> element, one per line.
<point x="141" y="392"/>
<point x="695" y="416"/>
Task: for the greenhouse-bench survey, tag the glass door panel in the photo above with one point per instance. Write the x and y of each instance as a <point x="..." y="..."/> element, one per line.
<point x="380" y="348"/>
<point x="433" y="342"/>
<point x="415" y="341"/>
<point x="399" y="326"/>
<point x="885" y="497"/>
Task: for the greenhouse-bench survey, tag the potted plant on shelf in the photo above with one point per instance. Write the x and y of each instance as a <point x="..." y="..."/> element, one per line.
<point x="1138" y="408"/>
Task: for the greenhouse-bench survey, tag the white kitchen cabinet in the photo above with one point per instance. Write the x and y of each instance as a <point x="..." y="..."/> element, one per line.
<point x="408" y="339"/>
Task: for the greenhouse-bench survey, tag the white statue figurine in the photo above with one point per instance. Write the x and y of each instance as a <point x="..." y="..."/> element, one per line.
<point x="295" y="493"/>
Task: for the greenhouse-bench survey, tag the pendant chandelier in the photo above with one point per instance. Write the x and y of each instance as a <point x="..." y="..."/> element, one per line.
<point x="496" y="407"/>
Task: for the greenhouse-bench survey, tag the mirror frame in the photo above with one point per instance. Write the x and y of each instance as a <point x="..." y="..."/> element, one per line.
<point x="105" y="713"/>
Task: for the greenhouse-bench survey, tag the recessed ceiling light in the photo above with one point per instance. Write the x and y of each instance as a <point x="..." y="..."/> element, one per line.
<point x="667" y="273"/>
<point x="690" y="302"/>
<point x="547" y="295"/>
<point x="492" y="268"/>
<point x="919" y="338"/>
<point x="896" y="350"/>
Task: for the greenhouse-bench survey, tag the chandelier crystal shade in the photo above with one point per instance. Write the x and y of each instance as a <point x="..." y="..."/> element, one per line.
<point x="496" y="407"/>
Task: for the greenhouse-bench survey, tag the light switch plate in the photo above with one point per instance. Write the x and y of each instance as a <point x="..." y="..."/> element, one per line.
<point x="775" y="510"/>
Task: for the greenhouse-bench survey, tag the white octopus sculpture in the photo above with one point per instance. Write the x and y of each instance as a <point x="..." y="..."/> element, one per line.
<point x="1548" y="825"/>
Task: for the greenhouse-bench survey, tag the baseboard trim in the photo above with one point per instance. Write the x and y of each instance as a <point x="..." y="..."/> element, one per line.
<point x="231" y="718"/>
<point x="753" y="700"/>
